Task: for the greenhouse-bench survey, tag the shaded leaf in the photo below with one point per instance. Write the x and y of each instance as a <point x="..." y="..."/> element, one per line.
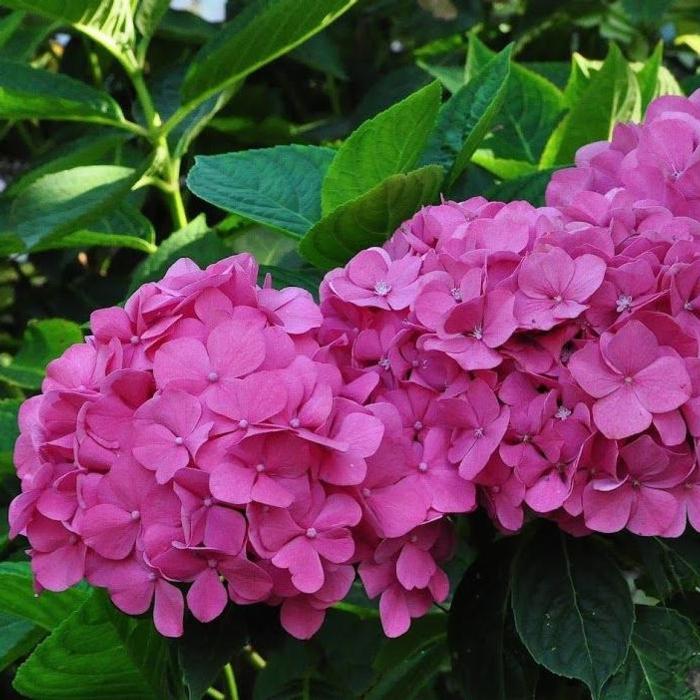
<point x="263" y="31"/>
<point x="663" y="662"/>
<point x="66" y="201"/>
<point x="279" y="187"/>
<point x="488" y="657"/>
<point x="8" y="433"/>
<point x="385" y="145"/>
<point x="17" y="638"/>
<point x="100" y="652"/>
<point x="370" y="219"/>
<point x="572" y="607"/>
<point x="465" y="118"/>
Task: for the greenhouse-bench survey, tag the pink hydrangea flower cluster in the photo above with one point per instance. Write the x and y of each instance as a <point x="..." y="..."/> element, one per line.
<point x="541" y="361"/>
<point x="216" y="440"/>
<point x="196" y="438"/>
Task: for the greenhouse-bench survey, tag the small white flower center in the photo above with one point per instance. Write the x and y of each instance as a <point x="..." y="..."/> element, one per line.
<point x="558" y="298"/>
<point x="628" y="380"/>
<point x="295" y="423"/>
<point x="260" y="468"/>
<point x="423" y="467"/>
<point x="135" y="515"/>
<point x="456" y="293"/>
<point x="418" y="425"/>
<point x="179" y="440"/>
<point x="208" y="502"/>
<point x="478" y="333"/>
<point x="311" y="533"/>
<point x="243" y="424"/>
<point x="382" y="288"/>
<point x="563" y="413"/>
<point x="213" y="377"/>
<point x="688" y="306"/>
<point x="478" y="432"/>
<point x="384" y="363"/>
<point x="624" y="303"/>
<point x="134" y="340"/>
<point x="366" y="492"/>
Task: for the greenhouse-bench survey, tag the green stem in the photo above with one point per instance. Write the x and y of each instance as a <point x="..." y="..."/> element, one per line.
<point x="231" y="682"/>
<point x="255" y="660"/>
<point x="216" y="694"/>
<point x="172" y="172"/>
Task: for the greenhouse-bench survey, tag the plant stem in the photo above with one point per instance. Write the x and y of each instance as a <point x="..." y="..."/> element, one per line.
<point x="254" y="658"/>
<point x="231" y="682"/>
<point x="177" y="206"/>
<point x="216" y="694"/>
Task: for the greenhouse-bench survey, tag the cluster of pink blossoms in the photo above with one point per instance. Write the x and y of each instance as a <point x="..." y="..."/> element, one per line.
<point x="214" y="439"/>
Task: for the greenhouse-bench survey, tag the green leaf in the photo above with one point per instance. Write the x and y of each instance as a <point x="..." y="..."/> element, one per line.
<point x="93" y="149"/>
<point x="187" y="28"/>
<point x="8" y="433"/>
<point x="124" y="226"/>
<point x="17" y="638"/>
<point x="408" y="677"/>
<point x="98" y="652"/>
<point x="663" y="662"/>
<point x="530" y="187"/>
<point x="279" y="187"/>
<point x="488" y="656"/>
<point x="672" y="565"/>
<point x="531" y="109"/>
<point x="465" y="118"/>
<point x="33" y="93"/>
<point x="204" y="649"/>
<point x="612" y="95"/>
<point x="64" y="202"/>
<point x="451" y="77"/>
<point x="9" y="24"/>
<point x="263" y="31"/>
<point x="42" y="342"/>
<point x="149" y="13"/>
<point x="46" y="610"/>
<point x="108" y="21"/>
<point x="371" y="218"/>
<point x="655" y="79"/>
<point x="196" y="241"/>
<point x="572" y="607"/>
<point x="385" y="145"/>
<point x="310" y="280"/>
<point x="321" y="53"/>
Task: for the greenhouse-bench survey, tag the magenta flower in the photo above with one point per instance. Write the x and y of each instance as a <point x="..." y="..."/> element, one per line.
<point x="168" y="432"/>
<point x="553" y="287"/>
<point x="633" y="378"/>
<point x="639" y="497"/>
<point x="373" y="279"/>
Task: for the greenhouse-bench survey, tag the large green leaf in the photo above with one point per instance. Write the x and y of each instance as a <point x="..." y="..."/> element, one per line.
<point x="488" y="657"/>
<point x="672" y="565"/>
<point x="573" y="609"/>
<point x="371" y="218"/>
<point x="263" y="31"/>
<point x="99" y="652"/>
<point x="46" y="610"/>
<point x="109" y="21"/>
<point x="149" y="13"/>
<point x="8" y="433"/>
<point x="61" y="203"/>
<point x="43" y="341"/>
<point x="33" y="93"/>
<point x="124" y="227"/>
<point x="611" y="95"/>
<point x="92" y="149"/>
<point x="385" y="145"/>
<point x="17" y="637"/>
<point x="663" y="662"/>
<point x="406" y="666"/>
<point x="196" y="241"/>
<point x="531" y="109"/>
<point x="465" y="118"/>
<point x="279" y="187"/>
<point x="204" y="649"/>
<point x="655" y="79"/>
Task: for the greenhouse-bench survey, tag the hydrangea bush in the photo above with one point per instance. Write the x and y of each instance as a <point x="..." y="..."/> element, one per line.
<point x="245" y="441"/>
<point x="418" y="418"/>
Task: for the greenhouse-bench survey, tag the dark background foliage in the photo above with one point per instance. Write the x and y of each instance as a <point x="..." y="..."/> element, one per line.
<point x="375" y="55"/>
